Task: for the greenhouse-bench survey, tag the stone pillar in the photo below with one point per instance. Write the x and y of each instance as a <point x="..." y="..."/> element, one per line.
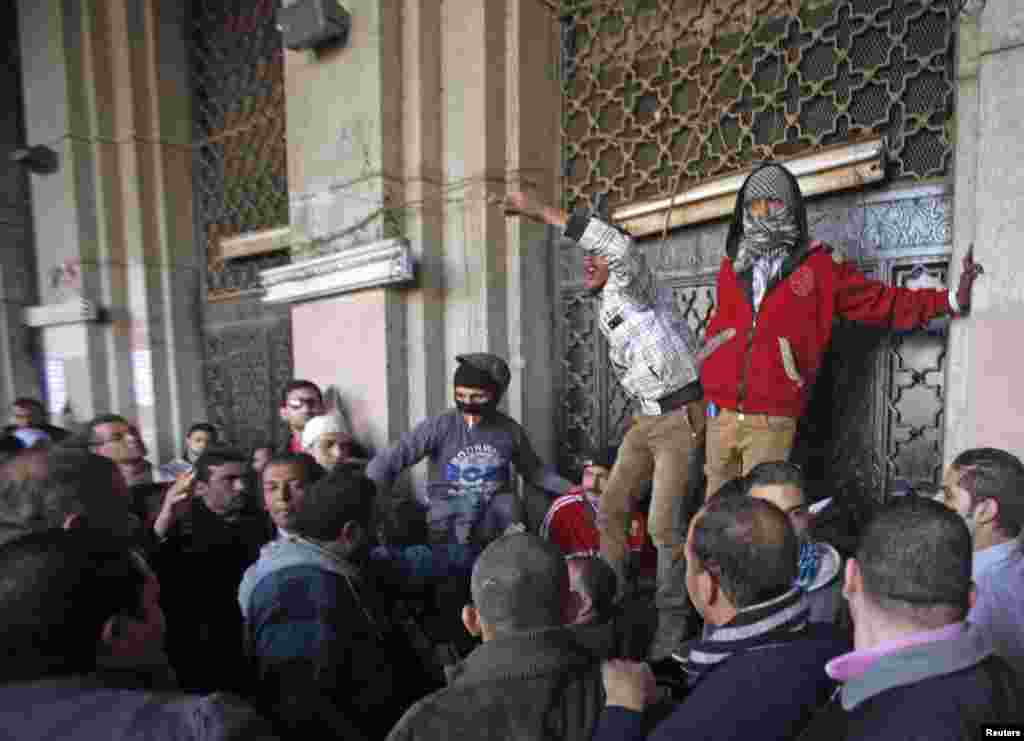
<point x="345" y="187"/>
<point x="534" y="158"/>
<point x="983" y="401"/>
<point x="456" y="102"/>
<point x="106" y="86"/>
<point x="19" y="375"/>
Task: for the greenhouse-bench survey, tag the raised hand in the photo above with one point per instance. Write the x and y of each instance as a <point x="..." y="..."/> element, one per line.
<point x="174" y="503"/>
<point x="518" y="203"/>
<point x="968" y="274"/>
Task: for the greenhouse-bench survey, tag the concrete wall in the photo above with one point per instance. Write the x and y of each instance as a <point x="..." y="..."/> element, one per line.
<point x="344" y="344"/>
<point x="983" y="404"/>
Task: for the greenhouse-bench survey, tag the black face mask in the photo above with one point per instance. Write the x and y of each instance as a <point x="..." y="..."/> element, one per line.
<point x="482" y="410"/>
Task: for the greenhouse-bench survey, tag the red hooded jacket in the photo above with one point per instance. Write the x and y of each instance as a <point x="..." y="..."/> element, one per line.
<point x="768" y="365"/>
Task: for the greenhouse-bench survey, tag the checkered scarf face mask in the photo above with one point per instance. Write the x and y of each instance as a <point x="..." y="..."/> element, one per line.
<point x="774" y="235"/>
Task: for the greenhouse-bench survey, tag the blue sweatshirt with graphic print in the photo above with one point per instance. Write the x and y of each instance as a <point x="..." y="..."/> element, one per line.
<point x="477" y="457"/>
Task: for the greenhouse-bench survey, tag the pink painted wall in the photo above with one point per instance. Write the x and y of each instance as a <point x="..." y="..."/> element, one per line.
<point x="342" y="341"/>
<point x="994" y="414"/>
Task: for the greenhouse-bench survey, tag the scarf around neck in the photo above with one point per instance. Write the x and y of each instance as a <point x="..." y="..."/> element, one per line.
<point x="776" y="620"/>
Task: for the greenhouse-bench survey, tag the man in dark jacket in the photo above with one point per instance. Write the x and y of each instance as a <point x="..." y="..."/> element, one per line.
<point x="529" y="679"/>
<point x="778" y="294"/>
<point x="208" y="537"/>
<point x="317" y="622"/>
<point x="759" y="673"/>
<point x="916" y="671"/>
<point x="62" y="597"/>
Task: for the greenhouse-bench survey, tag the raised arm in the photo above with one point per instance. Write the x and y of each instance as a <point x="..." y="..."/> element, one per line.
<point x="628" y="270"/>
<point x="413" y="447"/>
<point x="518" y="203"/>
<point x="862" y="299"/>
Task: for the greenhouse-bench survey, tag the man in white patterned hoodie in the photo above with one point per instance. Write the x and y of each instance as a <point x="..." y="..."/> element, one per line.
<point x="654" y="354"/>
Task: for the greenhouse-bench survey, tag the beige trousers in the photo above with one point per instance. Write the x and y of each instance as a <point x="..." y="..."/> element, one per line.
<point x="658" y="448"/>
<point x="737" y="442"/>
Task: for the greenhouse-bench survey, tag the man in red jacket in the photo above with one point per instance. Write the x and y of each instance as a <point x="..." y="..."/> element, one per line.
<point x="778" y="294"/>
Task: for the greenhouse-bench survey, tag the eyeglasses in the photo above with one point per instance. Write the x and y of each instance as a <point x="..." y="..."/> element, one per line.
<point x="310" y="403"/>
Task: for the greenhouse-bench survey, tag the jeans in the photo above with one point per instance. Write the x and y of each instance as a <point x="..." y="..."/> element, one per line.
<point x="464" y="516"/>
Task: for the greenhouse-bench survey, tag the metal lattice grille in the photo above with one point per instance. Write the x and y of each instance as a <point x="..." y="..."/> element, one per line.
<point x="660" y="94"/>
<point x="240" y="172"/>
<point x="914" y="402"/>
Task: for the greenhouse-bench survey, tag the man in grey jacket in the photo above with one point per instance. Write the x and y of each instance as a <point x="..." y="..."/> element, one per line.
<point x="654" y="354"/>
<point x="529" y="679"/>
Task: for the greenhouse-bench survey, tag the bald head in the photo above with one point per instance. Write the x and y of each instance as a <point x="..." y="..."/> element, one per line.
<point x="520" y="583"/>
<point x="749" y="545"/>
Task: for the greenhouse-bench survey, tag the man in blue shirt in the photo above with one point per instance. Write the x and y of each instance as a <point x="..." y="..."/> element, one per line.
<point x="985" y="486"/>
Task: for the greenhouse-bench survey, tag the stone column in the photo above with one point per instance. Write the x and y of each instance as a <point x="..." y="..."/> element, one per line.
<point x="347" y="234"/>
<point x="106" y="86"/>
<point x="19" y="374"/>
<point x="457" y="102"/>
<point x="533" y="153"/>
<point x="984" y="405"/>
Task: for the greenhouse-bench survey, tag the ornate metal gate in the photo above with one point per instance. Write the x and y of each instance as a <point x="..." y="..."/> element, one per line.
<point x="240" y="179"/>
<point x="658" y="97"/>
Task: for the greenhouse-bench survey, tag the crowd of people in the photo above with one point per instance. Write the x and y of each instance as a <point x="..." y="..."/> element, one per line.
<point x="685" y="588"/>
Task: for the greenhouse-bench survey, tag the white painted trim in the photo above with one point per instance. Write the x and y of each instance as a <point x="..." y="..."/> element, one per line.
<point x="76" y="311"/>
<point x="376" y="264"/>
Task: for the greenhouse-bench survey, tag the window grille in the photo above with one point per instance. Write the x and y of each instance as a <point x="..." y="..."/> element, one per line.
<point x="660" y="94"/>
<point x="240" y="172"/>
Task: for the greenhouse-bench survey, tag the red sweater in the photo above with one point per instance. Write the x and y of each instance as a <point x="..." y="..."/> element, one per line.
<point x="571" y="524"/>
<point x="769" y="366"/>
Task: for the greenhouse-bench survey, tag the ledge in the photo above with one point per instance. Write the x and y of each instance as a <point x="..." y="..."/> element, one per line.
<point x="830" y="169"/>
<point x="254" y="244"/>
<point x="381" y="263"/>
<point x="76" y="311"/>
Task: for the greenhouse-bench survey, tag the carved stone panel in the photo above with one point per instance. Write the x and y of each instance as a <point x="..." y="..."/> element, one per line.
<point x="246" y="367"/>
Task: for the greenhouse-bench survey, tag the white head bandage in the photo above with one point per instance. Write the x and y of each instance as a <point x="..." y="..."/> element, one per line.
<point x="323" y="424"/>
